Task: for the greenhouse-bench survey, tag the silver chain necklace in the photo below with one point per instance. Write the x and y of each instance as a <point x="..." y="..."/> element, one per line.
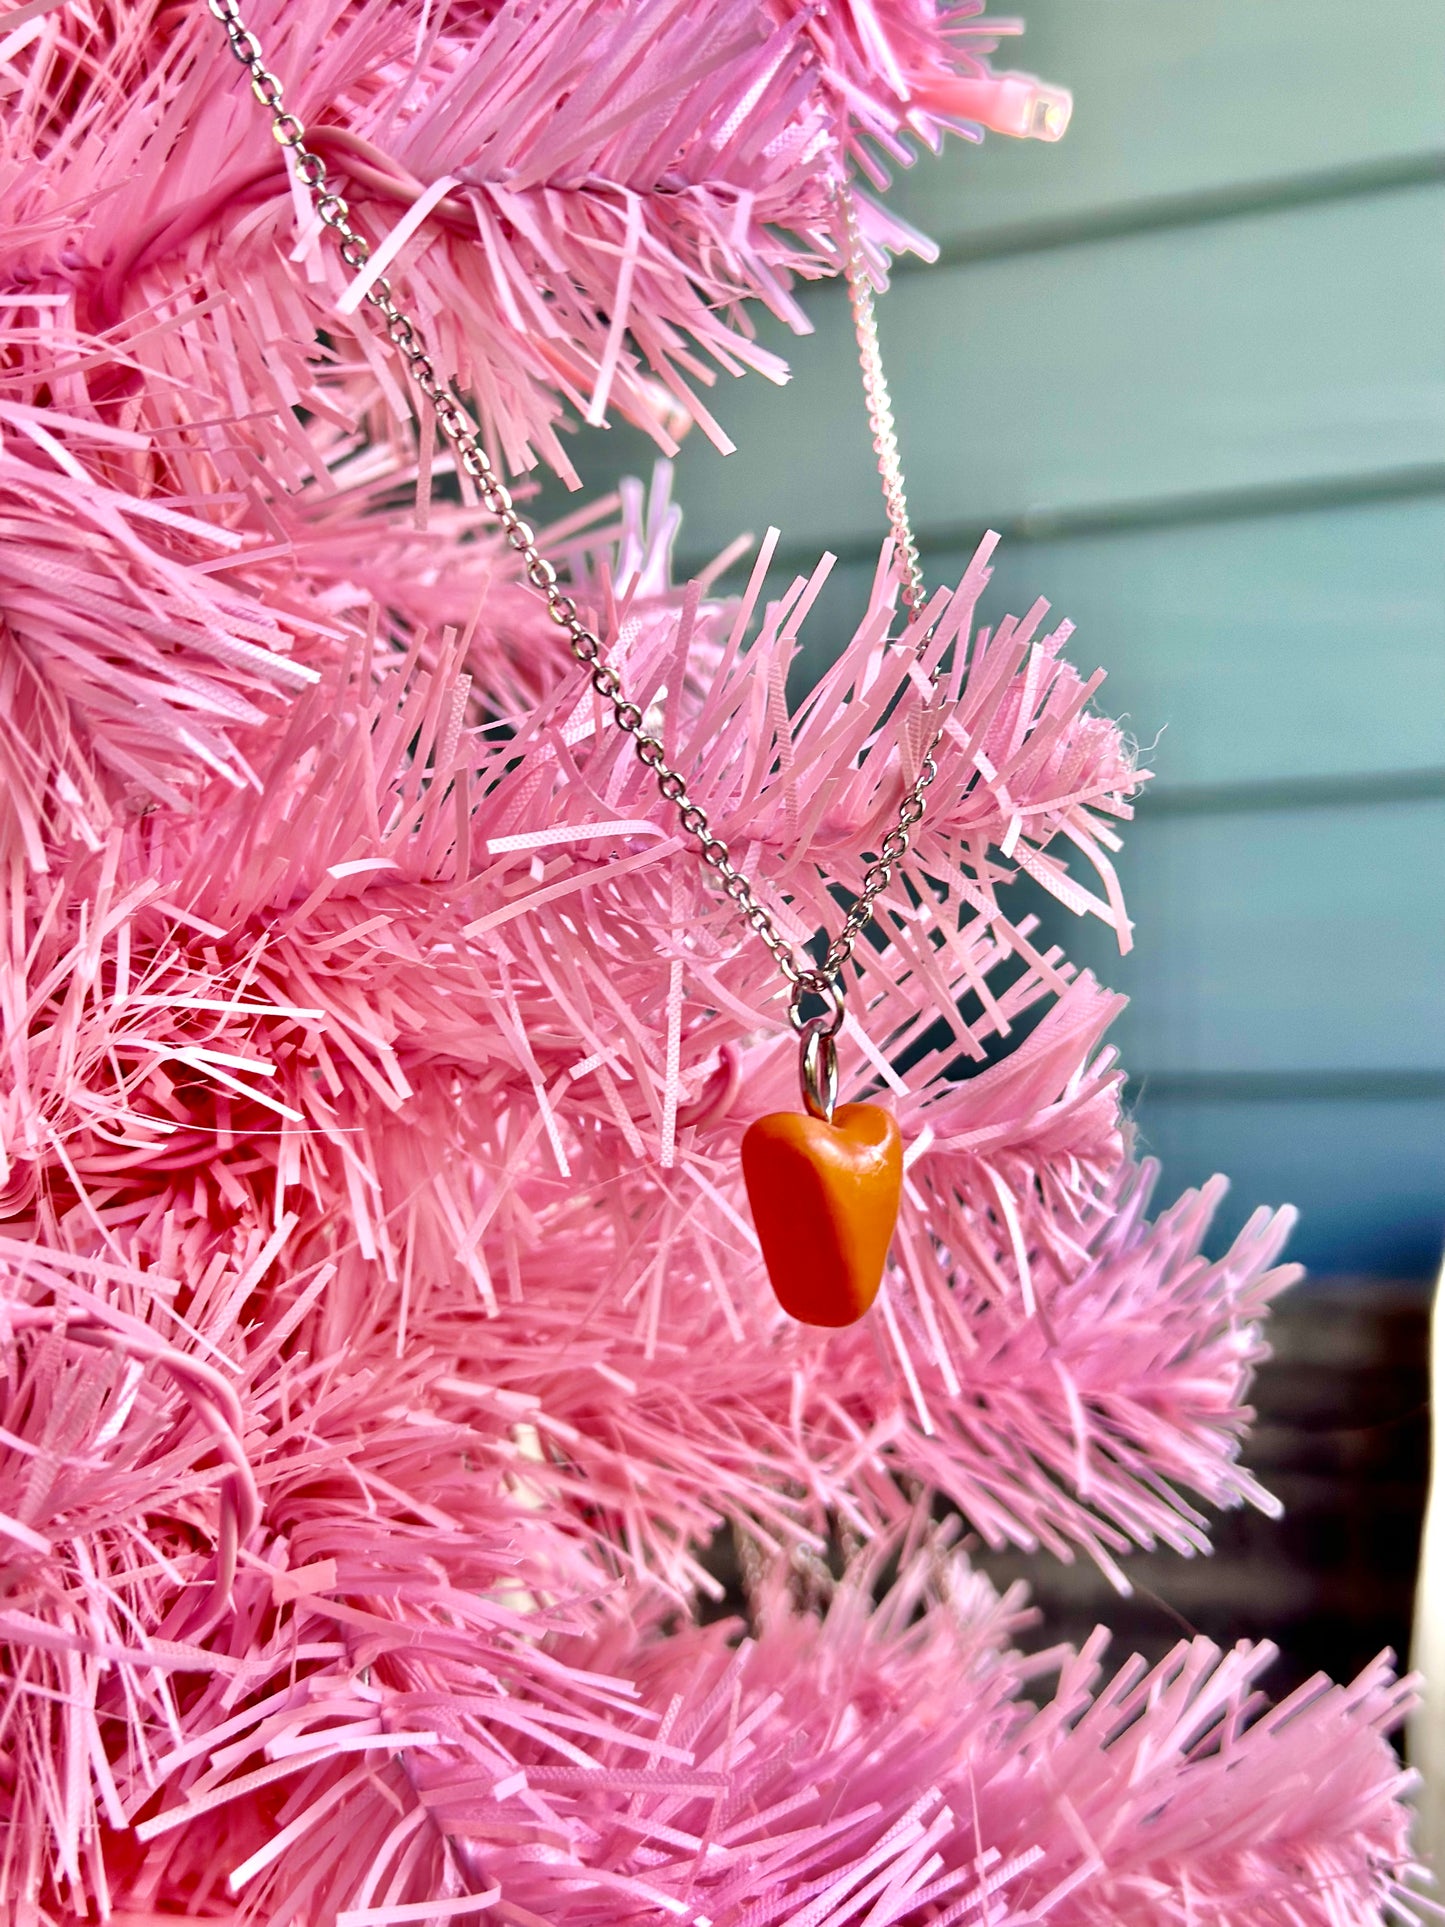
<point x="834" y="1166"/>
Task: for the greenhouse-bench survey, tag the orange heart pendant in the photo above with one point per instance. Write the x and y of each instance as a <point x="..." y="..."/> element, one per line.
<point x="825" y="1201"/>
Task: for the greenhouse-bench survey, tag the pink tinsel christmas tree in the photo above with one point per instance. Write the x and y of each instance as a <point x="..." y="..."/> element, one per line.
<point x="384" y="1336"/>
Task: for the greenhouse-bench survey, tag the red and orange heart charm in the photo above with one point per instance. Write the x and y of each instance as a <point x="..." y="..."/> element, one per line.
<point x="825" y="1201"/>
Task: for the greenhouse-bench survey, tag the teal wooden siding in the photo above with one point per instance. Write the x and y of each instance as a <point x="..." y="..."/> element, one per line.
<point x="1249" y="648"/>
<point x="1183" y="105"/>
<point x="1278" y="350"/>
<point x="1191" y="361"/>
<point x="1282" y="941"/>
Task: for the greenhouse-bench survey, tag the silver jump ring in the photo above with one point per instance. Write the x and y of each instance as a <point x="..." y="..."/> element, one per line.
<point x="818" y="1069"/>
<point x="812" y="983"/>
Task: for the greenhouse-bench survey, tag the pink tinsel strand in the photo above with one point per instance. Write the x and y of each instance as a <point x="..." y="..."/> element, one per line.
<point x="149" y="638"/>
<point x="131" y="665"/>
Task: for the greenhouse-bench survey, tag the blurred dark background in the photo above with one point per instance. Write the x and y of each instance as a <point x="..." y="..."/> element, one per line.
<point x="1191" y="362"/>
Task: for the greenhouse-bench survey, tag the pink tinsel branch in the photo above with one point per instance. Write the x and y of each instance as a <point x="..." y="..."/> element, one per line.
<point x="413" y="916"/>
<point x="376" y="1734"/>
<point x="600" y="191"/>
<point x="382" y="1335"/>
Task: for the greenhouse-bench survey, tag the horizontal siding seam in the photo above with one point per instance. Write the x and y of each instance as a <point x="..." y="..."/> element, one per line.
<point x="1360" y="790"/>
<point x="1249" y="503"/>
<point x="1120" y="221"/>
<point x="1319" y="1086"/>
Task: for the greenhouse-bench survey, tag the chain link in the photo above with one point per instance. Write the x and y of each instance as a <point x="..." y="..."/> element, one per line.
<point x="880" y="407"/>
<point x="406" y="336"/>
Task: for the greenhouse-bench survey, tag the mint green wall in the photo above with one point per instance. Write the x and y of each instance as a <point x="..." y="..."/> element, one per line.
<point x="1191" y="361"/>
